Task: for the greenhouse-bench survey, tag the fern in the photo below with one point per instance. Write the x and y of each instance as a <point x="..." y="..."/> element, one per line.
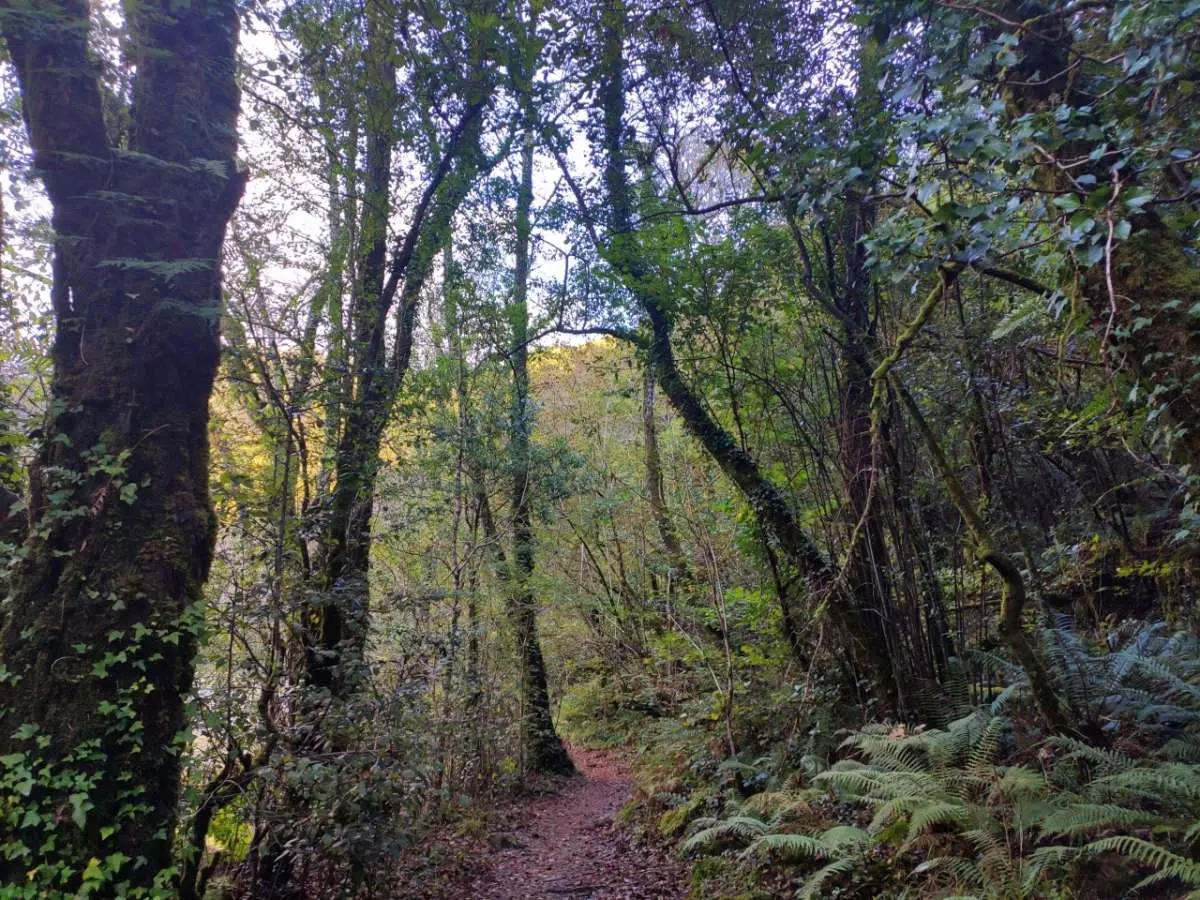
<point x="780" y="804"/>
<point x="736" y="828"/>
<point x="933" y="814"/>
<point x="1165" y="863"/>
<point x="1103" y="760"/>
<point x="934" y="790"/>
<point x="1177" y="783"/>
<point x="1083" y="818"/>
<point x="1018" y="783"/>
<point x="164" y="268"/>
<point x="814" y="883"/>
<point x="1042" y="860"/>
<point x="789" y="847"/>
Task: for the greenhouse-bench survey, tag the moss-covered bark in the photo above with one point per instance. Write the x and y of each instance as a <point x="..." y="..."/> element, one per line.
<point x="546" y="750"/>
<point x="97" y="654"/>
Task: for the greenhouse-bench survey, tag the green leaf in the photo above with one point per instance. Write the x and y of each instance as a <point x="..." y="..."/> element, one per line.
<point x="80" y="804"/>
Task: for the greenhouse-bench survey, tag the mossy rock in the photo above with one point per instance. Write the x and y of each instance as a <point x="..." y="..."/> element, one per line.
<point x="673" y="822"/>
<point x="715" y="878"/>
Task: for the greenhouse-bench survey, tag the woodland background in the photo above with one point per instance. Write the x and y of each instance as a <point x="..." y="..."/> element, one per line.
<point x="801" y="394"/>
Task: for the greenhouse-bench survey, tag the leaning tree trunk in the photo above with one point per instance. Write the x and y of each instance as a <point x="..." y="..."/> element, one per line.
<point x="97" y="654"/>
<point x="866" y="647"/>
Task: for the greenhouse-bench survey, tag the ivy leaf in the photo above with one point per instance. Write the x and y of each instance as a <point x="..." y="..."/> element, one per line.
<point x="80" y="804"/>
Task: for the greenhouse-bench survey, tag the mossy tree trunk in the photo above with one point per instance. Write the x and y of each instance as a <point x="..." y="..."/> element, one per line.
<point x="97" y="653"/>
<point x="546" y="751"/>
<point x="656" y="494"/>
<point x="866" y="650"/>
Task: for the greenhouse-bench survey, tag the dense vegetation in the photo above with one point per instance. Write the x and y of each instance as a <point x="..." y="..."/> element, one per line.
<point x="803" y="395"/>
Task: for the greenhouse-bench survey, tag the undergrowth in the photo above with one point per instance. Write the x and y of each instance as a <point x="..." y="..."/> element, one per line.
<point x="986" y="805"/>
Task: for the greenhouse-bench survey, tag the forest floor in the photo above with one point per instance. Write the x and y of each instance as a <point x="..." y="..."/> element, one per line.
<point x="566" y="844"/>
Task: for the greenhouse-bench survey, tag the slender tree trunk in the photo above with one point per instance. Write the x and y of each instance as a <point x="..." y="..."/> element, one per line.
<point x="337" y="647"/>
<point x="546" y="751"/>
<point x="97" y="655"/>
<point x="337" y="653"/>
<point x="1050" y="706"/>
<point x="655" y="493"/>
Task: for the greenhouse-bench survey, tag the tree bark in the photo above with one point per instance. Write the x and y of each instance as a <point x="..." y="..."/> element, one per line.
<point x="546" y="751"/>
<point x="341" y="633"/>
<point x="97" y="655"/>
<point x="655" y="493"/>
<point x="338" y="634"/>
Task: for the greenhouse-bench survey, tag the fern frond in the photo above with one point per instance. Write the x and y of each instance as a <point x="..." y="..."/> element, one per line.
<point x="984" y="755"/>
<point x="933" y="814"/>
<point x="1192" y="834"/>
<point x="733" y="829"/>
<point x="1019" y="782"/>
<point x="896" y="808"/>
<point x="1165" y="863"/>
<point x="789" y="847"/>
<point x="1001" y="700"/>
<point x="1082" y="818"/>
<point x="1042" y="859"/>
<point x="961" y="869"/>
<point x="857" y="781"/>
<point x="780" y="803"/>
<point x="1106" y="760"/>
<point x="1178" y="782"/>
<point x="814" y="882"/>
<point x="905" y="754"/>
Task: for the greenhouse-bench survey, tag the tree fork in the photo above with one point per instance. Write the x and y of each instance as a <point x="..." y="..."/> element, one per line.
<point x="98" y="653"/>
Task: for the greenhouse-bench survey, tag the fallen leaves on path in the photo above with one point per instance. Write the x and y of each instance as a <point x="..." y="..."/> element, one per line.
<point x="566" y="845"/>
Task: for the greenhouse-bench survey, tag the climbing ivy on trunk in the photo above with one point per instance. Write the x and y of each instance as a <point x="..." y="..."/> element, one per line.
<point x="97" y="652"/>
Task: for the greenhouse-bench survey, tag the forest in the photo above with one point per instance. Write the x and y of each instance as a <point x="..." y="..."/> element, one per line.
<point x="602" y="448"/>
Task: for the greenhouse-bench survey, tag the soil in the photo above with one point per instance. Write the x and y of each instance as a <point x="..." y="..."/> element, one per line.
<point x="567" y="845"/>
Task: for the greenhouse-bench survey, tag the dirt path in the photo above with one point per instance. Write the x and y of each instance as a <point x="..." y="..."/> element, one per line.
<point x="567" y="846"/>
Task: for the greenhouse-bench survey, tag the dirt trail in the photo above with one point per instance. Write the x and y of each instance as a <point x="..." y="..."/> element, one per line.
<point x="567" y="846"/>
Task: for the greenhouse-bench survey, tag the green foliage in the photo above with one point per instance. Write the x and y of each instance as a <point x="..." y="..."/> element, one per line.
<point x="948" y="811"/>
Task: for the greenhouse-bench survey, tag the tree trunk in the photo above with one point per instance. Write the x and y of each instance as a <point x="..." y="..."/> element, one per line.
<point x="655" y="494"/>
<point x="338" y="642"/>
<point x="337" y="652"/>
<point x="1049" y="705"/>
<point x="97" y="655"/>
<point x="546" y="751"/>
<point x="771" y="508"/>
